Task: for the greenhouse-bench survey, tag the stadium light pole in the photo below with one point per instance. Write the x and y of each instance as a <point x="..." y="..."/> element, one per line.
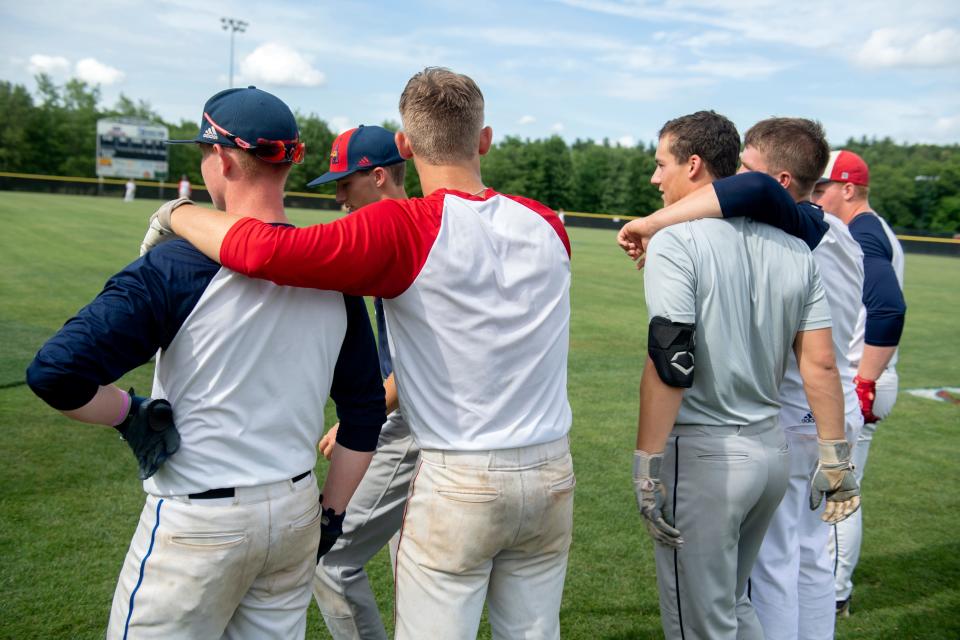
<point x="233" y="25"/>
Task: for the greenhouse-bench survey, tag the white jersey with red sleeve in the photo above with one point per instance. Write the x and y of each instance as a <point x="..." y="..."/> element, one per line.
<point x="477" y="298"/>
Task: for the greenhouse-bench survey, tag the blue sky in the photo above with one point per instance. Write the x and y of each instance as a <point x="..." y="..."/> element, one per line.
<point x="614" y="69"/>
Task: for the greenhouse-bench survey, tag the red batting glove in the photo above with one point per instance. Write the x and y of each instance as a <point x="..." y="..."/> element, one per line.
<point x="866" y="393"/>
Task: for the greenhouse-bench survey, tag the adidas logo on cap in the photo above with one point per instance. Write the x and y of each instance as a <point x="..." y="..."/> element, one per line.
<point x="363" y="162"/>
<point x="210" y="133"/>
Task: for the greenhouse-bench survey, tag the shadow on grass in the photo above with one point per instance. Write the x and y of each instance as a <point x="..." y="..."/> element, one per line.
<point x="893" y="580"/>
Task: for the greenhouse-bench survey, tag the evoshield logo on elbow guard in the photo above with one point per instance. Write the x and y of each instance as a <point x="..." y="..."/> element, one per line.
<point x="670" y="345"/>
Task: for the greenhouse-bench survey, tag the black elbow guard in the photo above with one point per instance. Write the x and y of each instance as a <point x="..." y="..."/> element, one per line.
<point x="670" y="345"/>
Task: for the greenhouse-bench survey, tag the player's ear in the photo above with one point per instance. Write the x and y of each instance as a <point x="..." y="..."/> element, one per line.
<point x="785" y="179"/>
<point x="379" y="176"/>
<point x="223" y="158"/>
<point x="403" y="145"/>
<point x="694" y="166"/>
<point x="486" y="139"/>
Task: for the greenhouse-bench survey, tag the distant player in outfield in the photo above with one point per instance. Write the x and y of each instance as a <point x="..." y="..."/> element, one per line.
<point x="791" y="586"/>
<point x="229" y="537"/>
<point x="367" y="167"/>
<point x="183" y="187"/>
<point x="843" y="190"/>
<point x="727" y="300"/>
<point x="476" y="289"/>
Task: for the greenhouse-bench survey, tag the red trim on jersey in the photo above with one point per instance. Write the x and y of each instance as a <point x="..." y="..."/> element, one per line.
<point x="547" y="214"/>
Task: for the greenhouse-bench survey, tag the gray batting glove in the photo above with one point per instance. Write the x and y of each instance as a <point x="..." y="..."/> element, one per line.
<point x="834" y="479"/>
<point x="651" y="497"/>
<point x="160" y="229"/>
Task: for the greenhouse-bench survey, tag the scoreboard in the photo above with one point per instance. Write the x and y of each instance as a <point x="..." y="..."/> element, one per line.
<point x="131" y="149"/>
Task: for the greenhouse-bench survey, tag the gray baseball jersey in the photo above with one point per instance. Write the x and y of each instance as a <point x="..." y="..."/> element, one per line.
<point x="721" y="275"/>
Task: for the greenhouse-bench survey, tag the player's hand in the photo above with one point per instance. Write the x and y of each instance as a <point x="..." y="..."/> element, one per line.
<point x="331" y="528"/>
<point x="634" y="237"/>
<point x="160" y="229"/>
<point x="327" y="441"/>
<point x="834" y="479"/>
<point x="866" y="394"/>
<point x="651" y="496"/>
<point x="150" y="432"/>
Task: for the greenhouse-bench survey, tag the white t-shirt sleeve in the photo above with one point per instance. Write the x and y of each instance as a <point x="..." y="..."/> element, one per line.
<point x="669" y="277"/>
<point x="816" y="311"/>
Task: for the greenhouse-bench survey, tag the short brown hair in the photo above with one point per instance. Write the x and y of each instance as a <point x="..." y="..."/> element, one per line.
<point x="442" y="115"/>
<point x="796" y="145"/>
<point x="397" y="172"/>
<point x="709" y="135"/>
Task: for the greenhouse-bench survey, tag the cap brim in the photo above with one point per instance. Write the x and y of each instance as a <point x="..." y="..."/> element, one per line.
<point x="330" y="176"/>
<point x="822" y="180"/>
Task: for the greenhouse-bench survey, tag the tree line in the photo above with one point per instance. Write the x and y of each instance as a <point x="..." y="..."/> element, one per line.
<point x="53" y="132"/>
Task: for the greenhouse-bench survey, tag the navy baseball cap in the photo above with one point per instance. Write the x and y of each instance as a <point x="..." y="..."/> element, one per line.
<point x="358" y="150"/>
<point x="245" y="119"/>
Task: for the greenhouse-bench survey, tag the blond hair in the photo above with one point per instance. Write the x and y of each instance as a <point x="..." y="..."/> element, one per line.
<point x="442" y="115"/>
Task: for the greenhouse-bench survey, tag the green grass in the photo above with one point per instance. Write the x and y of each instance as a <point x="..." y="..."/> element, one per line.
<point x="70" y="498"/>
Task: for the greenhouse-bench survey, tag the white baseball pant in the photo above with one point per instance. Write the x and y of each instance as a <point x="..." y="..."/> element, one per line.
<point x="791" y="585"/>
<point x="848" y="534"/>
<point x="486" y="525"/>
<point x="228" y="568"/>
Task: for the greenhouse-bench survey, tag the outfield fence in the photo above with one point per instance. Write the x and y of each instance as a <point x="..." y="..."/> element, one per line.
<point x="911" y="240"/>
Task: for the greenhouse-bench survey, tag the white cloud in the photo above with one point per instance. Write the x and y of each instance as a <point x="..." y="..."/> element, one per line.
<point x="526" y="120"/>
<point x="557" y="127"/>
<point x="897" y="48"/>
<point x="341" y="123"/>
<point x="279" y="65"/>
<point x="627" y="141"/>
<point x="40" y="63"/>
<point x="637" y="59"/>
<point x="739" y="69"/>
<point x="649" y="88"/>
<point x="93" y="71"/>
<point x="947" y="127"/>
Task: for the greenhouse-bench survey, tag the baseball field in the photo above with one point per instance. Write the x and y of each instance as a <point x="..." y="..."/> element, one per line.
<point x="70" y="498"/>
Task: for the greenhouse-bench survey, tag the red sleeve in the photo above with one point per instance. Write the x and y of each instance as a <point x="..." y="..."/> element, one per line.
<point x="379" y="250"/>
<point x="547" y="214"/>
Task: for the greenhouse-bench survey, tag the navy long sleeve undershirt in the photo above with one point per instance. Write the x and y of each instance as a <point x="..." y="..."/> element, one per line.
<point x="882" y="296"/>
<point x="758" y="196"/>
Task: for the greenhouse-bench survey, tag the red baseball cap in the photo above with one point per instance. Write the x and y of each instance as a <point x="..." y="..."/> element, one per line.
<point x="846" y="166"/>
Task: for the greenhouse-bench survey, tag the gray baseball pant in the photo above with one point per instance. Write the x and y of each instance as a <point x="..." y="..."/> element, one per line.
<point x="374" y="515"/>
<point x="723" y="485"/>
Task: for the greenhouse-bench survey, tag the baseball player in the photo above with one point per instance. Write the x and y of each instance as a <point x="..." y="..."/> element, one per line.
<point x="791" y="585"/>
<point x="228" y="539"/>
<point x="727" y="299"/>
<point x="843" y="190"/>
<point x="475" y="288"/>
<point x="367" y="167"/>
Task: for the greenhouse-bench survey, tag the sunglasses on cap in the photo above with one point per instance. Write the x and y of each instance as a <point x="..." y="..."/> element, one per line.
<point x="273" y="151"/>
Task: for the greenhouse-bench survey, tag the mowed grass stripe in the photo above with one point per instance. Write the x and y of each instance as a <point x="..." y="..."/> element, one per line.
<point x="71" y="500"/>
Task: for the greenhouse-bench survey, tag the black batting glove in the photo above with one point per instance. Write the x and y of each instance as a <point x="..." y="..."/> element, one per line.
<point x="150" y="432"/>
<point x="331" y="528"/>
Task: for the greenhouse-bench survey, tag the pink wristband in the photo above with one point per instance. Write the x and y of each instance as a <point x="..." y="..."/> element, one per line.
<point x="124" y="410"/>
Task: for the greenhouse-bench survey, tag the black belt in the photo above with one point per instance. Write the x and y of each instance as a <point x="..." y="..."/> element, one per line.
<point x="211" y="494"/>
